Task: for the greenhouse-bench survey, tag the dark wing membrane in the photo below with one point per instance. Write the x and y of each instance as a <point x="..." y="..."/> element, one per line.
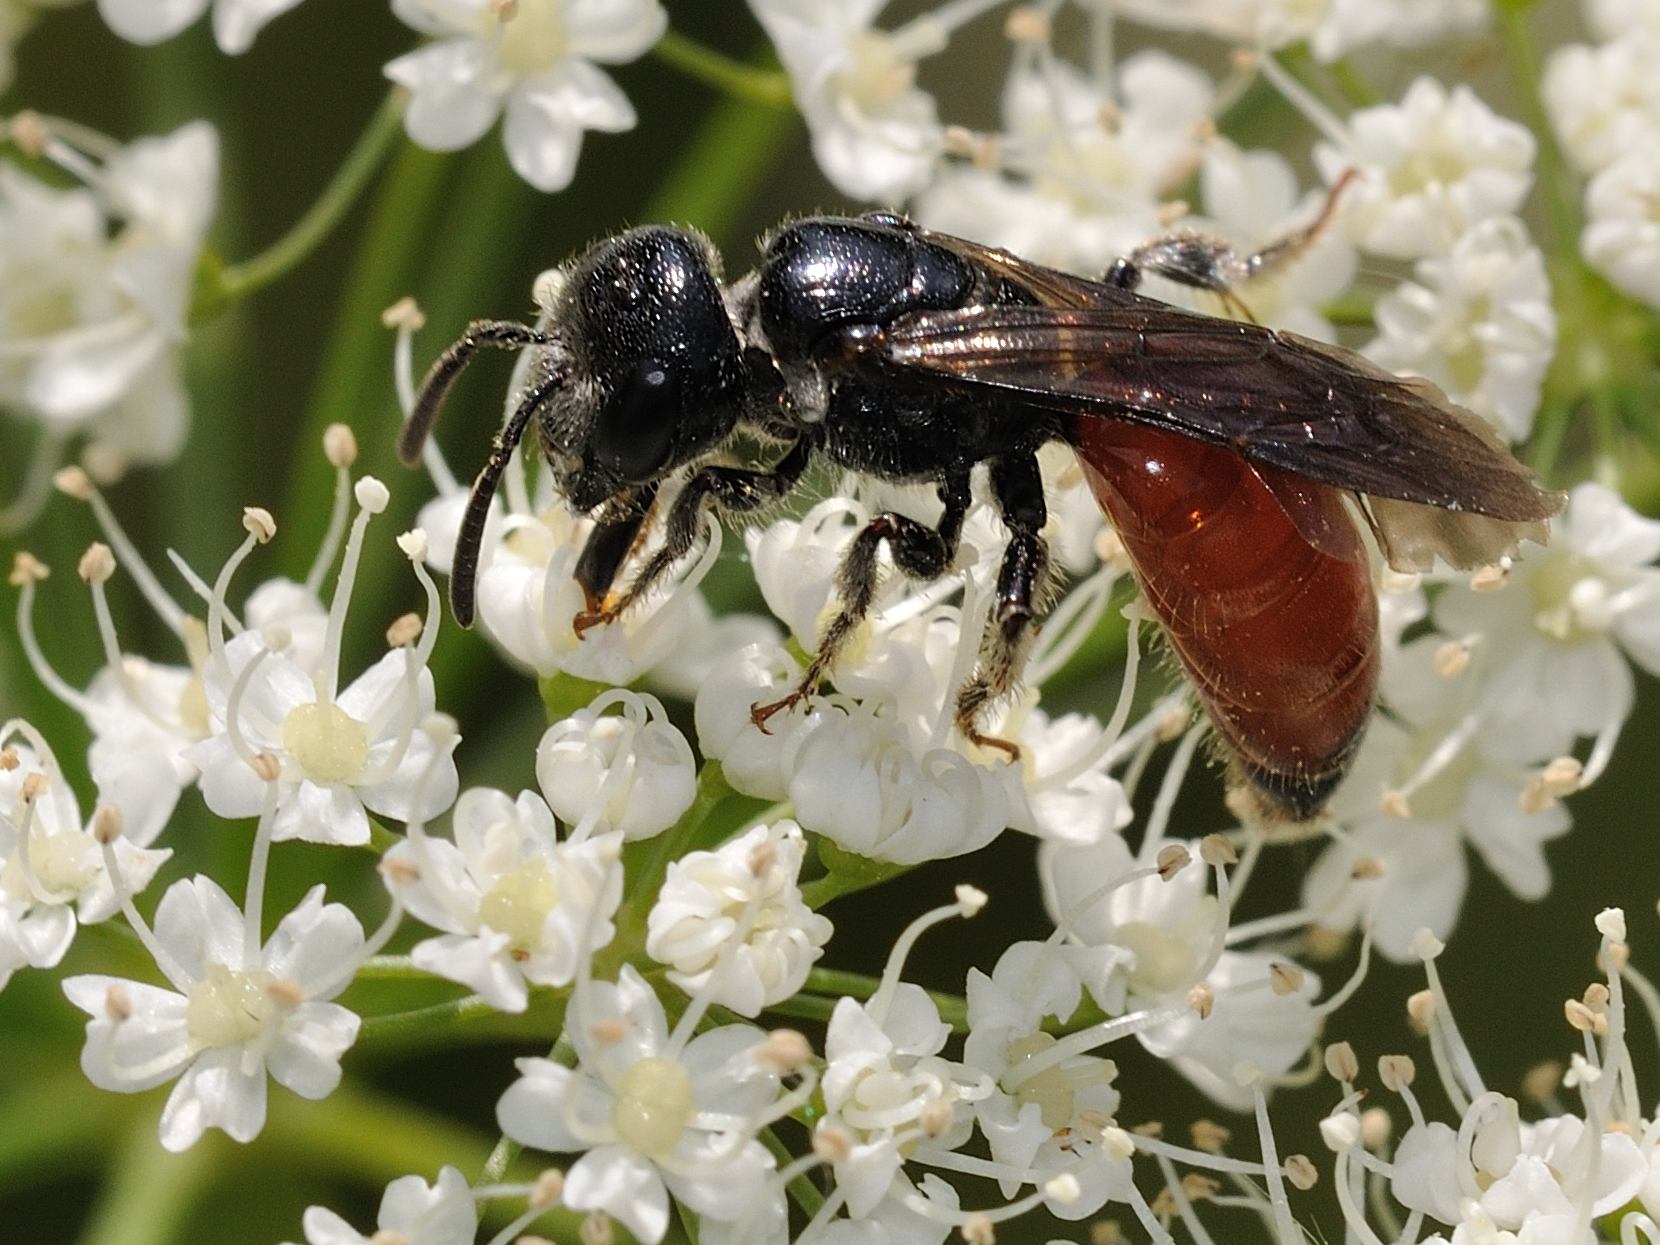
<point x="1317" y="410"/>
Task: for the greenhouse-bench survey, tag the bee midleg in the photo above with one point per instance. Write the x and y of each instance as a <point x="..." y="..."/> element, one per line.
<point x="730" y="488"/>
<point x="1023" y="583"/>
<point x="919" y="551"/>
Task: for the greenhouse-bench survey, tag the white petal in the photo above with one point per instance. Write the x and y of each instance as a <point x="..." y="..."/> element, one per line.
<point x="532" y="1110"/>
<point x="150" y="21"/>
<point x="199" y="925"/>
<point x="215" y="1092"/>
<point x="482" y="962"/>
<point x="306" y="1058"/>
<point x="451" y="105"/>
<point x="236" y="22"/>
<point x="624" y="1185"/>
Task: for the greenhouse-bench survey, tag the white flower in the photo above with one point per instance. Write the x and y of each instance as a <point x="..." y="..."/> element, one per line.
<point x="1604" y="101"/>
<point x="95" y="287"/>
<point x="535" y="60"/>
<point x="412" y="1212"/>
<point x="753" y="762"/>
<point x="875" y="134"/>
<point x="235" y="22"/>
<point x="338" y="752"/>
<point x="1089" y="187"/>
<point x="528" y="601"/>
<point x="1530" y="1176"/>
<point x="1051" y="1122"/>
<point x="234" y="1012"/>
<point x="731" y="922"/>
<point x="1416" y="838"/>
<point x="1431" y="167"/>
<point x="858" y="780"/>
<point x="1051" y="800"/>
<point x="633" y="772"/>
<point x="650" y="1114"/>
<point x="1550" y="641"/>
<point x="1350" y="24"/>
<point x="342" y="756"/>
<point x="1621" y="238"/>
<point x="1609" y="19"/>
<point x="53" y="875"/>
<point x="1478" y="322"/>
<point x="519" y="907"/>
<point x="1167" y="936"/>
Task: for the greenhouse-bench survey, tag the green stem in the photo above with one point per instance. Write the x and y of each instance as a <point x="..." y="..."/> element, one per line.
<point x="1356" y="89"/>
<point x="712" y="788"/>
<point x="237" y="281"/>
<point x="838" y="982"/>
<point x="392" y="968"/>
<point x="767" y="87"/>
<point x="1557" y="182"/>
<point x="147" y="1194"/>
<point x="802" y="1190"/>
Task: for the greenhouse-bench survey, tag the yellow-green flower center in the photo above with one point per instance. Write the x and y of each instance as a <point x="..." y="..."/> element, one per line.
<point x="534" y="39"/>
<point x="230" y="1008"/>
<point x="653" y="1106"/>
<point x="328" y="743"/>
<point x="519" y="902"/>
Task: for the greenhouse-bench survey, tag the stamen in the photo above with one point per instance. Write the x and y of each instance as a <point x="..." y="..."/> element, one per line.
<point x="170" y="968"/>
<point x="342" y="456"/>
<point x="686" y="585"/>
<point x="1443" y="755"/>
<point x="25" y="574"/>
<point x="74" y="482"/>
<point x="203" y="590"/>
<point x="1169" y="788"/>
<point x="1070" y="625"/>
<point x="1284" y="1226"/>
<point x="1426" y="947"/>
<point x="969" y="902"/>
<point x="371" y="498"/>
<point x="260" y="528"/>
<point x="36" y="485"/>
<point x="1184" y="1206"/>
<point x="1083" y="1041"/>
<point x="233" y="710"/>
<point x="1114" y="743"/>
<point x="1303" y="100"/>
<point x="253" y="902"/>
<point x="969" y="643"/>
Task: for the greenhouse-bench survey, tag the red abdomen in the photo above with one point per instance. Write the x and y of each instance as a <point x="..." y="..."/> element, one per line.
<point x="1261" y="582"/>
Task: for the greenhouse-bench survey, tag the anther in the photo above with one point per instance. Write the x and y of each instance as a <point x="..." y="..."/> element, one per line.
<point x="27" y="569"/>
<point x="404" y="631"/>
<point x="258" y="523"/>
<point x="548" y="1189"/>
<point x="1341" y="1063"/>
<point x="404" y="314"/>
<point x="97" y="564"/>
<point x="1301" y="1172"/>
<point x="73" y="482"/>
<point x="1396" y="1072"/>
<point x="340" y="445"/>
<point x="107" y="824"/>
<point x="1216" y="851"/>
<point x="1202" y="998"/>
<point x="1172" y="859"/>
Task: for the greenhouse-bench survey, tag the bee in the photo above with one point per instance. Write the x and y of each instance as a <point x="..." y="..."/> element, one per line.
<point x="1237" y="463"/>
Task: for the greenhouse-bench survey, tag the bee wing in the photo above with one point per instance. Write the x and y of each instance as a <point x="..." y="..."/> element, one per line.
<point x="1318" y="411"/>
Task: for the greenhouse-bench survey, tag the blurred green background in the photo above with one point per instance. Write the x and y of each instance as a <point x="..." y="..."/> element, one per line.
<point x="464" y="236"/>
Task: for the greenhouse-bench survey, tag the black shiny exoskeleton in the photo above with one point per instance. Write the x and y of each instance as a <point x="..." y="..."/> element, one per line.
<point x="907" y="355"/>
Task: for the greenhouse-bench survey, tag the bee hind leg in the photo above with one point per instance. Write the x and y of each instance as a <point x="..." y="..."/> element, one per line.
<point x="1023" y="584"/>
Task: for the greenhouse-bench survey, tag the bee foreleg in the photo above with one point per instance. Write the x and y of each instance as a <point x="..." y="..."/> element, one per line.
<point x="730" y="489"/>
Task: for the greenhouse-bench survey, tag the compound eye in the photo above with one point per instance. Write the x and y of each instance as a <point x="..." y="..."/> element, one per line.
<point x="636" y="430"/>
